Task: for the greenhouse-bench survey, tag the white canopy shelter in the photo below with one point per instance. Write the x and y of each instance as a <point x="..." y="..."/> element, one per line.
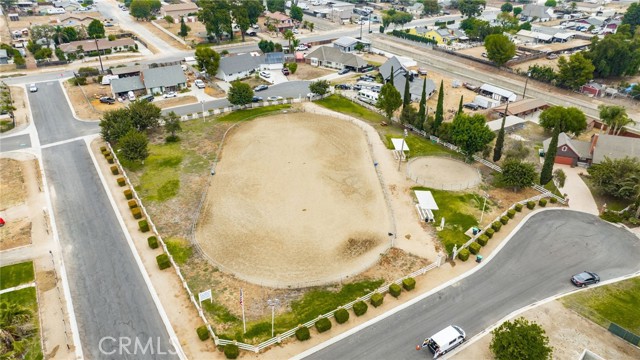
<point x="397" y="145"/>
<point x="426" y="203"/>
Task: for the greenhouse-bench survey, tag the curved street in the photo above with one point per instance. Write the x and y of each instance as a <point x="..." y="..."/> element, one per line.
<point x="535" y="264"/>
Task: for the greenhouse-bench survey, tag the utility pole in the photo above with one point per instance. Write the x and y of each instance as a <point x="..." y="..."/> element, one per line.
<point x="525" y="86"/>
<point x="99" y="57"/>
<point x="402" y="148"/>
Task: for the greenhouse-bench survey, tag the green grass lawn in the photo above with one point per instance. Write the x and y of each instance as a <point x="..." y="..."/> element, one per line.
<point x="310" y="306"/>
<point x="180" y="249"/>
<point x="618" y="303"/>
<point x="551" y="186"/>
<point x="613" y="203"/>
<point x="348" y="107"/>
<point x="14" y="275"/>
<point x="26" y="298"/>
<point x="457" y="209"/>
<point x="419" y="146"/>
<point x="241" y="115"/>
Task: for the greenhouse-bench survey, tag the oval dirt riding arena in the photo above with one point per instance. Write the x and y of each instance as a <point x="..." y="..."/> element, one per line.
<point x="295" y="201"/>
<point x="442" y="173"/>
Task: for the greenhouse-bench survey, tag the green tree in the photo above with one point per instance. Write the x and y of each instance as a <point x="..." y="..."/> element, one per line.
<point x="207" y="59"/>
<point x="439" y="118"/>
<point x="574" y="73"/>
<point x="241" y="17"/>
<point x="517" y="174"/>
<point x="289" y="36"/>
<point x="615" y="117"/>
<point x="423" y="106"/>
<point x="519" y="340"/>
<point x="542" y="73"/>
<point x="573" y="6"/>
<point x="460" y="111"/>
<point x="569" y="119"/>
<point x="406" y="97"/>
<point x="479" y="29"/>
<point x="95" y="29"/>
<point x="499" y="48"/>
<point x="430" y="7"/>
<point x="517" y="151"/>
<point x="275" y="5"/>
<point x="140" y="9"/>
<point x="616" y="177"/>
<point x="144" y="115"/>
<point x="184" y="28"/>
<point x="292" y="67"/>
<point x="114" y="124"/>
<point x="497" y="149"/>
<point x="319" y="87"/>
<point x="525" y="26"/>
<point x="517" y="11"/>
<point x="39" y="32"/>
<point x="550" y="3"/>
<point x="389" y="99"/>
<point x="172" y="125"/>
<point x="71" y="34"/>
<point x="614" y="55"/>
<point x="216" y="16"/>
<point x="632" y="16"/>
<point x="471" y="8"/>
<point x="43" y="53"/>
<point x="266" y="46"/>
<point x="254" y="9"/>
<point x="559" y="177"/>
<point x="409" y="115"/>
<point x="240" y="93"/>
<point x="359" y="46"/>
<point x="134" y="146"/>
<point x="546" y="174"/>
<point x="471" y="133"/>
<point x="506" y="7"/>
<point x="169" y="19"/>
<point x="296" y="13"/>
<point x="507" y="21"/>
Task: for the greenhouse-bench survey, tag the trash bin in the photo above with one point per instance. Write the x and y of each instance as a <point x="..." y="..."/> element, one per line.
<point x="475" y="230"/>
<point x="478" y="258"/>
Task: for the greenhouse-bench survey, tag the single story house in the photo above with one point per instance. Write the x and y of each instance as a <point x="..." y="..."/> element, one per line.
<point x="87" y="46"/>
<point x="595" y="21"/>
<point x="164" y="79"/>
<point x="532" y="12"/>
<point x="593" y="89"/>
<point x="415" y="86"/>
<point x="272" y="61"/>
<point x="178" y="10"/>
<point x="4" y="58"/>
<point x="348" y="44"/>
<point x="497" y="93"/>
<point x="535" y="37"/>
<point x="395" y="64"/>
<point x="126" y="71"/>
<point x="521" y="108"/>
<point x="511" y="123"/>
<point x="332" y="57"/>
<point x="122" y="86"/>
<point x="237" y="67"/>
<point x="601" y="146"/>
<point x="415" y="9"/>
<point x="281" y="21"/>
<point x="441" y="36"/>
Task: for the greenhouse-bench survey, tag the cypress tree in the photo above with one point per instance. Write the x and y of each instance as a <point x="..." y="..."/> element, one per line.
<point x="549" y="158"/>
<point x="391" y="79"/>
<point x="497" y="150"/>
<point x="460" y="105"/>
<point x="439" y="110"/>
<point x="423" y="107"/>
<point x="406" y="98"/>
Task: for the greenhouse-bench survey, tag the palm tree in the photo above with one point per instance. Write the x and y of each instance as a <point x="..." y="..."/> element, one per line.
<point x="290" y="36"/>
<point x="60" y="35"/>
<point x="615" y="117"/>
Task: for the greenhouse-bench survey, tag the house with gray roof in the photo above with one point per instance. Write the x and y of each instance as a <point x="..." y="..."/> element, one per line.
<point x="332" y="57"/>
<point x="532" y="12"/>
<point x="395" y="64"/>
<point x="122" y="86"/>
<point x="237" y="67"/>
<point x="164" y="79"/>
<point x="601" y="146"/>
<point x="348" y="44"/>
<point x="415" y="86"/>
<point x="4" y="57"/>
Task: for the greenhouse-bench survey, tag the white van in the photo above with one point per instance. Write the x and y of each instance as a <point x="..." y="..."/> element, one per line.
<point x="368" y="96"/>
<point x="131" y="96"/>
<point x="445" y="340"/>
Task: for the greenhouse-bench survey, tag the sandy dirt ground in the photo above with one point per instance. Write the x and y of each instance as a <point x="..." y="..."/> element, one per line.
<point x="81" y="102"/>
<point x="299" y="202"/>
<point x="12" y="187"/>
<point x="18" y="95"/>
<point x="164" y="36"/>
<point x="308" y="72"/>
<point x="569" y="334"/>
<point x="451" y="96"/>
<point x="443" y="173"/>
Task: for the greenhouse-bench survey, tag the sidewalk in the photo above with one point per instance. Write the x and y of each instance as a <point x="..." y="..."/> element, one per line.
<point x="580" y="198"/>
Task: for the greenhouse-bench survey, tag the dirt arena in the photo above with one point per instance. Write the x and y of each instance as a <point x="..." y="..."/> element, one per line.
<point x="442" y="173"/>
<point x="295" y="201"/>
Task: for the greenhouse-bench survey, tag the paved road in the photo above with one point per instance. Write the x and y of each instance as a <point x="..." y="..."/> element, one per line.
<point x="15" y="142"/>
<point x="54" y="120"/>
<point x="535" y="264"/>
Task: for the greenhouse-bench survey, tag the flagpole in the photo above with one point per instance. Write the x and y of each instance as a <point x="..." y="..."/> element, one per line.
<point x="244" y="324"/>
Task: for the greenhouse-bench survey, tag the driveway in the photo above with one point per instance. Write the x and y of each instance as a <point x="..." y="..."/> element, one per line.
<point x="535" y="264"/>
<point x="580" y="198"/>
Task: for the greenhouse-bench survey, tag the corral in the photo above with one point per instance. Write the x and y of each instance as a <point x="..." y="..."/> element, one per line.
<point x="442" y="173"/>
<point x="295" y="201"/>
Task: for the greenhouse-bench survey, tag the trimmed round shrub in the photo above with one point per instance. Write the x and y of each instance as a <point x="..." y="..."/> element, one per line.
<point x="409" y="284"/>
<point x="489" y="232"/>
<point x="531" y="205"/>
<point x="137" y="213"/>
<point x="303" y="333"/>
<point x="163" y="261"/>
<point x="474" y="248"/>
<point x="203" y="333"/>
<point x="553" y="200"/>
<point x="323" y="325"/>
<point x="153" y="242"/>
<point x="482" y="240"/>
<point x="109" y="159"/>
<point x="542" y="202"/>
<point x="143" y="225"/>
<point x="360" y="308"/>
<point x="518" y="207"/>
<point x="463" y="255"/>
<point x="121" y="181"/>
<point x="231" y="351"/>
<point x="395" y="290"/>
<point x="341" y="315"/>
<point x="511" y="213"/>
<point x="504" y="220"/>
<point x="496" y="226"/>
<point x="114" y="170"/>
<point x="132" y="204"/>
<point x="103" y="148"/>
<point x="377" y="299"/>
<point x="128" y="194"/>
<point x="106" y="153"/>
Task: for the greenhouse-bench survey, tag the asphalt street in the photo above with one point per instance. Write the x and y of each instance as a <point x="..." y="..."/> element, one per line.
<point x="535" y="264"/>
<point x="53" y="118"/>
<point x="15" y="142"/>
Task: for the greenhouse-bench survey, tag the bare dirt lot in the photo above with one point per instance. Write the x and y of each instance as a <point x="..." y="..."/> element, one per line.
<point x="15" y="233"/>
<point x="443" y="173"/>
<point x="569" y="334"/>
<point x="12" y="188"/>
<point x="291" y="195"/>
<point x="308" y="72"/>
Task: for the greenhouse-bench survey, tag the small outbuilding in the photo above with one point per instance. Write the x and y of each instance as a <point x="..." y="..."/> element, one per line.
<point x="426" y="204"/>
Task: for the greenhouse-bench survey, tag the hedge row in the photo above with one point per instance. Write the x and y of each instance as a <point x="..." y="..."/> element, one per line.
<point x="413" y="37"/>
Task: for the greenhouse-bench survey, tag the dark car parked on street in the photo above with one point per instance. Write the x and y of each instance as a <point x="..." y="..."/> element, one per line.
<point x="260" y="88"/>
<point x="585" y="278"/>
